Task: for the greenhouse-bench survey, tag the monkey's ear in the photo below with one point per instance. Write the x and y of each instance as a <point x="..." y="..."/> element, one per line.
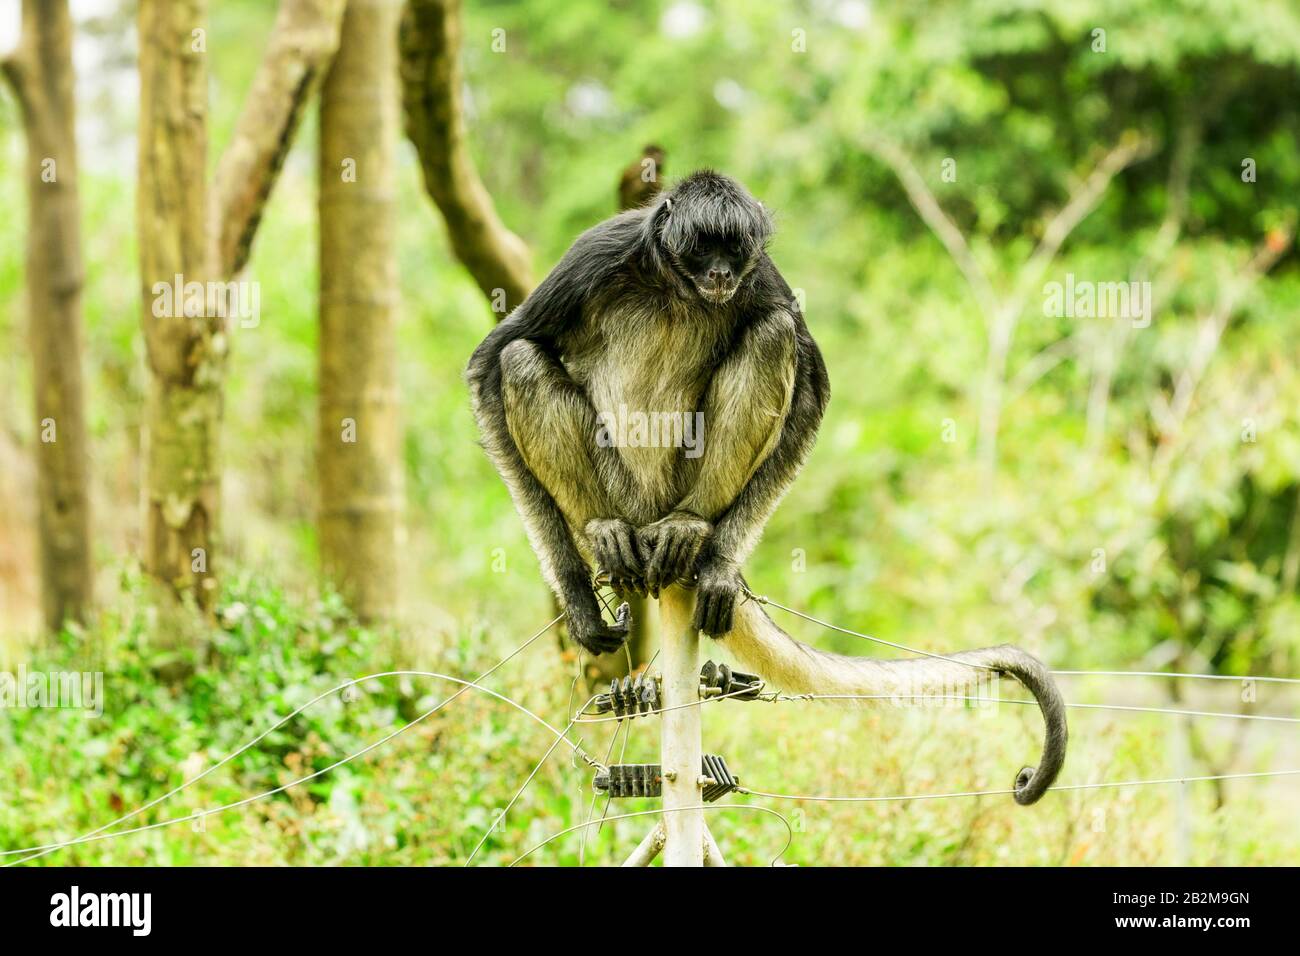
<point x="654" y="223"/>
<point x="766" y="225"/>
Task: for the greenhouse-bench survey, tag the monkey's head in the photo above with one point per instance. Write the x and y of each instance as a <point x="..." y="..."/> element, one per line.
<point x="711" y="232"/>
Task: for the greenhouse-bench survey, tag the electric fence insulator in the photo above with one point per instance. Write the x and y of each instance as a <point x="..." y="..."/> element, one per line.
<point x="631" y="780"/>
<point x="646" y="779"/>
<point x="630" y="697"/>
<point x="718" y="779"/>
<point x="719" y="680"/>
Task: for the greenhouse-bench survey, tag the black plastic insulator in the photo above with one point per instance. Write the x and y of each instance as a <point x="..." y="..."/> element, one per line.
<point x="631" y="780"/>
<point x="646" y="779"/>
<point x="630" y="697"/>
<point x="733" y="684"/>
<point x="723" y="782"/>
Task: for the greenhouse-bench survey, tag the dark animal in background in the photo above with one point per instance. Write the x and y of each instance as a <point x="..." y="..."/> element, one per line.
<point x="642" y="180"/>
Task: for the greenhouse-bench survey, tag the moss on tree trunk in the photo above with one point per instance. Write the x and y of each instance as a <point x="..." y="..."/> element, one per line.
<point x="185" y="353"/>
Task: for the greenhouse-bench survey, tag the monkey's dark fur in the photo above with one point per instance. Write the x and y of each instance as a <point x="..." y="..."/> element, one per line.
<point x="676" y="308"/>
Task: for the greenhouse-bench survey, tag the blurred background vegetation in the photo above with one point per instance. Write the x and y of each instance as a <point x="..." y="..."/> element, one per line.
<point x="1140" y="508"/>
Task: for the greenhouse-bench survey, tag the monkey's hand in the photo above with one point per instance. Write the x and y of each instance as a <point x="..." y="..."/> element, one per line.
<point x="617" y="551"/>
<point x="589" y="630"/>
<point x="672" y="544"/>
<point x="716" y="591"/>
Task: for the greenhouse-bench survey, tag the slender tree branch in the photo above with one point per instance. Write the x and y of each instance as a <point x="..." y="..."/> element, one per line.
<point x="1171" y="414"/>
<point x="498" y="260"/>
<point x="1002" y="312"/>
<point x="928" y="208"/>
<point x="1042" y="362"/>
<point x="1107" y="356"/>
<point x="302" y="43"/>
<point x="1130" y="149"/>
<point x="1291" y="561"/>
<point x="1177" y="188"/>
<point x="14" y="69"/>
<point x="1209" y="334"/>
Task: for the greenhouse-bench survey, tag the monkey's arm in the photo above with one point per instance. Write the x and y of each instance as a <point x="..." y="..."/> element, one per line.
<point x="548" y="532"/>
<point x="523" y="401"/>
<point x="744" y="411"/>
<point x="783" y="443"/>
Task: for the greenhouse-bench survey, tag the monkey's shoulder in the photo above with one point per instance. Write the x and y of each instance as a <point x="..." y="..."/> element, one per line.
<point x="606" y="247"/>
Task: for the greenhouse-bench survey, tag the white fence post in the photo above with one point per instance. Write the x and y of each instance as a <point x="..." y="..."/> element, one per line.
<point x="680" y="742"/>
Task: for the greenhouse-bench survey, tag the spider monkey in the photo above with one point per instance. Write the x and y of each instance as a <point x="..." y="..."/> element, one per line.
<point x="675" y="308"/>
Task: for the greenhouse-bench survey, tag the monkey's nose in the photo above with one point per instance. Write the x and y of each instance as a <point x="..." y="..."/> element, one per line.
<point x="723" y="274"/>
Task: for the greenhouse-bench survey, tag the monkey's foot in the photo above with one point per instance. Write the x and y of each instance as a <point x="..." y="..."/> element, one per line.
<point x="716" y="593"/>
<point x="617" y="552"/>
<point x="595" y="636"/>
<point x="672" y="544"/>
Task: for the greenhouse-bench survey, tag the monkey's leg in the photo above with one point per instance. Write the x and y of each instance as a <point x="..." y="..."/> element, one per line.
<point x="744" y="409"/>
<point x="556" y="430"/>
<point x="719" y="584"/>
<point x="743" y="412"/>
<point x="548" y="531"/>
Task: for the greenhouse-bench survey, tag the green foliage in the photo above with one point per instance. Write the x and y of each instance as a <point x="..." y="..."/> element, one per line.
<point x="427" y="796"/>
<point x="1108" y="540"/>
<point x="264" y="660"/>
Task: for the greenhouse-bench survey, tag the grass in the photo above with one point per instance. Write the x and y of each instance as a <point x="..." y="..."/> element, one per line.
<point x="426" y="797"/>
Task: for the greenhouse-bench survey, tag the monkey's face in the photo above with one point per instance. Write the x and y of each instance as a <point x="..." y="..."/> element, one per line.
<point x="713" y="233"/>
<point x="715" y="264"/>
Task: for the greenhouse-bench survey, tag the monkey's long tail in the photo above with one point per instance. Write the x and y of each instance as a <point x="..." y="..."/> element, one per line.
<point x="761" y="646"/>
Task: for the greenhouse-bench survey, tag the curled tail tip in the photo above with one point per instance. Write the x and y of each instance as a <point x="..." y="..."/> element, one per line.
<point x="1026" y="792"/>
<point x="1032" y="782"/>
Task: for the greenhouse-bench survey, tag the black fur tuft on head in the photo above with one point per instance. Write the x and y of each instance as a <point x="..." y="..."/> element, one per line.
<point x="709" y="203"/>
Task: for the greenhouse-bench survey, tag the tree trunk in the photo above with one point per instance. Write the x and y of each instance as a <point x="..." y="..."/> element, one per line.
<point x="43" y="80"/>
<point x="185" y="352"/>
<point x="359" y="448"/>
<point x="189" y="235"/>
